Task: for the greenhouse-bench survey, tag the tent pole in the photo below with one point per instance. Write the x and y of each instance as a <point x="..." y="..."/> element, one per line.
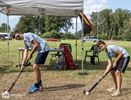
<point x="82" y="72"/>
<point x="8" y="34"/>
<point x="76" y="40"/>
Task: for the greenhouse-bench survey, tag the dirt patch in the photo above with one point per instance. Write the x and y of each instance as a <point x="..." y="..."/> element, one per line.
<point x="64" y="85"/>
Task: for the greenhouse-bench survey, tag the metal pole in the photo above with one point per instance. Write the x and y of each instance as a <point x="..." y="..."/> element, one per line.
<point x="82" y="70"/>
<point x="76" y="41"/>
<point x="82" y="45"/>
<point x="8" y="35"/>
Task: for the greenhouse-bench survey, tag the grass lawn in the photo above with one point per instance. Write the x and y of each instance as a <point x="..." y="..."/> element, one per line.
<point x="61" y="85"/>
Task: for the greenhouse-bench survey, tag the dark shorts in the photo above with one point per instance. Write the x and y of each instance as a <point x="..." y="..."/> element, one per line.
<point x="41" y="57"/>
<point x="122" y="64"/>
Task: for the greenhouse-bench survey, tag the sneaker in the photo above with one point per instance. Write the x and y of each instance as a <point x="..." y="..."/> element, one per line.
<point x="111" y="89"/>
<point x="116" y="94"/>
<point x="33" y="89"/>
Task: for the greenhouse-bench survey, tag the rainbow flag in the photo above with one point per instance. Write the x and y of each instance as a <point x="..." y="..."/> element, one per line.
<point x="87" y="26"/>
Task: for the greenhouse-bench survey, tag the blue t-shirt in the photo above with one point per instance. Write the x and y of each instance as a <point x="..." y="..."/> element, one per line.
<point x="111" y="51"/>
<point x="28" y="37"/>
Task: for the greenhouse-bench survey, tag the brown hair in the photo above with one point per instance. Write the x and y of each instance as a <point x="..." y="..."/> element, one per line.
<point x="16" y="31"/>
<point x="100" y="42"/>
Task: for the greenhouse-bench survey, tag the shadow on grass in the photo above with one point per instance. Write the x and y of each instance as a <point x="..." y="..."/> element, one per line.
<point x="11" y="69"/>
<point x="4" y="68"/>
<point x="67" y="86"/>
<point x="101" y="66"/>
<point x="87" y="66"/>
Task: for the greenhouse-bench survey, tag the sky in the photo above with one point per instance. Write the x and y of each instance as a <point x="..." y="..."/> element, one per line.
<point x="89" y="7"/>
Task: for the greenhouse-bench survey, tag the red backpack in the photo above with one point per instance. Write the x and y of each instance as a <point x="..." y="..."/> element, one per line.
<point x="69" y="59"/>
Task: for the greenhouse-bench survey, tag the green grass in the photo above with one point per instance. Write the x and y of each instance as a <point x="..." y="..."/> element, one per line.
<point x="15" y="44"/>
<point x="62" y="79"/>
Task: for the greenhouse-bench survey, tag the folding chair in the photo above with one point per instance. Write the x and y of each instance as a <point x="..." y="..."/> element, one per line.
<point x="92" y="53"/>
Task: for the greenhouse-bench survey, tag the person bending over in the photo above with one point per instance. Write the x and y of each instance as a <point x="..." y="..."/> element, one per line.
<point x="35" y="43"/>
<point x="118" y="66"/>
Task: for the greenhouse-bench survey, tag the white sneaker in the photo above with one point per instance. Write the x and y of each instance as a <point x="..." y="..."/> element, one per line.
<point x="111" y="89"/>
<point x="116" y="94"/>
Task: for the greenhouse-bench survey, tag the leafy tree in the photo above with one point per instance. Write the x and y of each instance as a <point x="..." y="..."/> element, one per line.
<point x="3" y="27"/>
<point x="43" y="24"/>
<point x="127" y="26"/>
<point x="57" y="23"/>
<point x="67" y="25"/>
<point x="31" y="24"/>
<point x="112" y="23"/>
<point x="119" y="18"/>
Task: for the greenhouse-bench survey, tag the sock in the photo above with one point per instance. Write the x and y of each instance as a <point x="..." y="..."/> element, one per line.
<point x="38" y="84"/>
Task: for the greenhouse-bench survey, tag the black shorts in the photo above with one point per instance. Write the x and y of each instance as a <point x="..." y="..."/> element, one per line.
<point x="122" y="64"/>
<point x="41" y="57"/>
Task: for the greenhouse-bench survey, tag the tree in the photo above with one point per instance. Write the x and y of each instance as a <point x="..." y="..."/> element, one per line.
<point x="3" y="27"/>
<point x="102" y="21"/>
<point x="111" y="23"/>
<point x="43" y="24"/>
<point x="67" y="25"/>
<point x="127" y="25"/>
<point x="94" y="20"/>
<point x="31" y="24"/>
<point x="57" y="23"/>
<point x="120" y="18"/>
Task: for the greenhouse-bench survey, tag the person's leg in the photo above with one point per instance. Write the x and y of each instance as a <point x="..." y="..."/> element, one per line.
<point x="122" y="65"/>
<point x="114" y="78"/>
<point x="37" y="73"/>
<point x="119" y="81"/>
<point x="37" y="78"/>
<point x="40" y="59"/>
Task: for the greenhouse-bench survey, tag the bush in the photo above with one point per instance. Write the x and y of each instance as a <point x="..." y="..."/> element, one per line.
<point x="103" y="36"/>
<point x="117" y="37"/>
<point x="69" y="36"/>
<point x="127" y="36"/>
<point x="52" y="34"/>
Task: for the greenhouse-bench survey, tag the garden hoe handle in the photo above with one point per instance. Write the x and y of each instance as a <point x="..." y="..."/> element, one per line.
<point x="12" y="85"/>
<point x="14" y="82"/>
<point x="97" y="82"/>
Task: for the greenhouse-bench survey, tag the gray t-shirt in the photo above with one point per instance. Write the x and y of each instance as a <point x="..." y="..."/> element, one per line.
<point x="28" y="37"/>
<point x="111" y="51"/>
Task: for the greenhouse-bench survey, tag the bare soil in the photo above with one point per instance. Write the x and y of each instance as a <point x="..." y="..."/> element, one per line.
<point x="64" y="85"/>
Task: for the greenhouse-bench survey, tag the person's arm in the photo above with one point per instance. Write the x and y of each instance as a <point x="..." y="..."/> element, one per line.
<point x="120" y="55"/>
<point x="34" y="48"/>
<point x="109" y="66"/>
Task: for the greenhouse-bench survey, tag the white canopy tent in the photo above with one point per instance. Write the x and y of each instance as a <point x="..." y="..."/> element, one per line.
<point x="67" y="8"/>
<point x="42" y="7"/>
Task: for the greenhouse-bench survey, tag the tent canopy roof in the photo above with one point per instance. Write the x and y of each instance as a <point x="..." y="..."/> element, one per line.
<point x="41" y="7"/>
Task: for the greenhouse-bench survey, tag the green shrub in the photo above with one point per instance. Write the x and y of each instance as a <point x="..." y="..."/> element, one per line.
<point x="52" y="34"/>
<point x="69" y="36"/>
<point x="103" y="36"/>
<point x="127" y="36"/>
<point x="117" y="37"/>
